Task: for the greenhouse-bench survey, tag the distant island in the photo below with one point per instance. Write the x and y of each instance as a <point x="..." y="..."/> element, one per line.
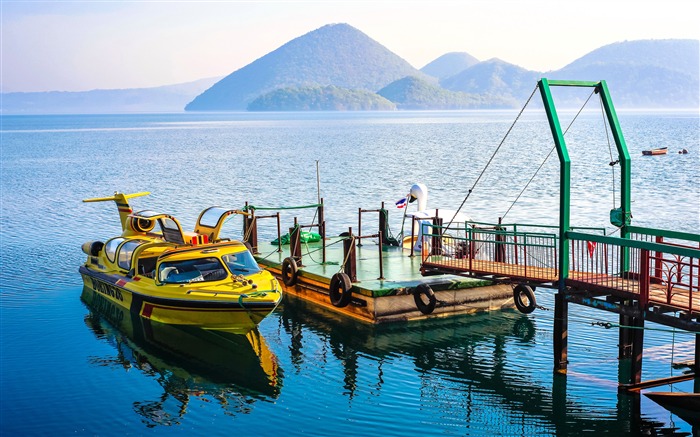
<point x="339" y="68"/>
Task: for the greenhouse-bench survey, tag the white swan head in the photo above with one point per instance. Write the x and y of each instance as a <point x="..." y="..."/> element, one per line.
<point x="419" y="192"/>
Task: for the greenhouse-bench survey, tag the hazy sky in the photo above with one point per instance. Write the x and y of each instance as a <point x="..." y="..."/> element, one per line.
<point x="83" y="45"/>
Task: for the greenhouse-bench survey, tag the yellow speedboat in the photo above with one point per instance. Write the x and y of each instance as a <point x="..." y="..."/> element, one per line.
<point x="162" y="273"/>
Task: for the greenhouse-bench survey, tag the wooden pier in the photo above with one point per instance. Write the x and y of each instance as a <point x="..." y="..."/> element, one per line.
<point x="643" y="274"/>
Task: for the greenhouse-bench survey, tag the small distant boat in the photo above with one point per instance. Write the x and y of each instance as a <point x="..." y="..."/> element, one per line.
<point x="659" y="151"/>
<point x="684" y="405"/>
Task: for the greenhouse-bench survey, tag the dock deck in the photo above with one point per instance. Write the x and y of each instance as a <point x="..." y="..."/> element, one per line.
<point x="386" y="296"/>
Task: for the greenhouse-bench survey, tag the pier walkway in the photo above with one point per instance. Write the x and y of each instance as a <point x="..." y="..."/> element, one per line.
<point x="658" y="271"/>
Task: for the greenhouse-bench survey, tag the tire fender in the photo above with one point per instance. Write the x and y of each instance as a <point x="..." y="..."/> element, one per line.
<point x="340" y="290"/>
<point x="290" y="271"/>
<point x="524" y="298"/>
<point x="421" y="292"/>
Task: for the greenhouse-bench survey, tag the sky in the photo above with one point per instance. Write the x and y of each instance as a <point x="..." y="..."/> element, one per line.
<point x="84" y="45"/>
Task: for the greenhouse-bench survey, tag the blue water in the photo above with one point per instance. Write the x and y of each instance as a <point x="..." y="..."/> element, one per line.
<point x="68" y="368"/>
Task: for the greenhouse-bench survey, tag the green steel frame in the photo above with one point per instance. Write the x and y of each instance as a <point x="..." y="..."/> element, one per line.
<point x="601" y="88"/>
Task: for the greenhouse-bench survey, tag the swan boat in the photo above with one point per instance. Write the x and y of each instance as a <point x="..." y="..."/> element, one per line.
<point x="162" y="273"/>
<point x="423" y="218"/>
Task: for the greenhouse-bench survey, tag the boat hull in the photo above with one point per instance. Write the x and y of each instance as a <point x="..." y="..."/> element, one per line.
<point x="684" y="405"/>
<point x="233" y="315"/>
<point x="655" y="152"/>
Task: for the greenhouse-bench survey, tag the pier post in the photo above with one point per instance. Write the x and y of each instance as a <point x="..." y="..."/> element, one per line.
<point x="626" y="335"/>
<point x="696" y="365"/>
<point x="436" y="240"/>
<point x="250" y="230"/>
<point x="295" y="242"/>
<point x="637" y="349"/>
<point x="349" y="256"/>
<point x="561" y="332"/>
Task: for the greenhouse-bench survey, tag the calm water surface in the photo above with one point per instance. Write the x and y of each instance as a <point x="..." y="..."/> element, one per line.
<point x="69" y="369"/>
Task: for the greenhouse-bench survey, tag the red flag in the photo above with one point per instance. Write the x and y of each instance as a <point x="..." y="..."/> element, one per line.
<point x="591" y="248"/>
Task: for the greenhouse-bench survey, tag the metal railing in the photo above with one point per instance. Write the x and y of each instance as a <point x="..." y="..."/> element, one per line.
<point x="656" y="267"/>
<point x="646" y="266"/>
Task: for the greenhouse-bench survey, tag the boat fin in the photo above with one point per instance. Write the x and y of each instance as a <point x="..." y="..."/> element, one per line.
<point x="122" y="201"/>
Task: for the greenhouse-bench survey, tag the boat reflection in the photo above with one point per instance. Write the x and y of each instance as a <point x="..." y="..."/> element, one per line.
<point x="187" y="362"/>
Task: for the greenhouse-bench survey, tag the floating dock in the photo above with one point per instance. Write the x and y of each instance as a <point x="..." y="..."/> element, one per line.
<point x="386" y="296"/>
<point x="357" y="276"/>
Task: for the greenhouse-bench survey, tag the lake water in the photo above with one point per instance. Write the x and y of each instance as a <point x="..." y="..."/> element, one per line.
<point x="67" y="369"/>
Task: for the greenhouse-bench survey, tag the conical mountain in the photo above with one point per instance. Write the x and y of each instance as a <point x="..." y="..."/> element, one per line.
<point x="495" y="79"/>
<point x="449" y="64"/>
<point x="335" y="54"/>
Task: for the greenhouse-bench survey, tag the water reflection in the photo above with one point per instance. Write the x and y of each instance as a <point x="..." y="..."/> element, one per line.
<point x="480" y="369"/>
<point x="234" y="370"/>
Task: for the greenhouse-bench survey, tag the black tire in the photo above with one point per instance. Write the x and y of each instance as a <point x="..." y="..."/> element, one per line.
<point x="290" y="271"/>
<point x="340" y="290"/>
<point x="524" y="298"/>
<point x="418" y="293"/>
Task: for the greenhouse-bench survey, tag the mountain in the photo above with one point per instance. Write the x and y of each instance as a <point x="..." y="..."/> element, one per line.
<point x="506" y="84"/>
<point x="327" y="98"/>
<point x="644" y="73"/>
<point x="168" y="98"/>
<point x="449" y="64"/>
<point x="680" y="55"/>
<point x="416" y="93"/>
<point x="335" y="54"/>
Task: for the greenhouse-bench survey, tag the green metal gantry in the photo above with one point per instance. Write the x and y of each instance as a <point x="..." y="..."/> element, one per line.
<point x="624" y="212"/>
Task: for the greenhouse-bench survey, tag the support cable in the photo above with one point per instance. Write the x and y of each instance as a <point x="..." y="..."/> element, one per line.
<point x="492" y="156"/>
<point x="612" y="163"/>
<point x="549" y="154"/>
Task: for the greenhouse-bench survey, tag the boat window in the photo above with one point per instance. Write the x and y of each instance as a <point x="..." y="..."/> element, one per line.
<point x="111" y="248"/>
<point x="210" y="217"/>
<point x="191" y="270"/>
<point x="146" y="213"/>
<point x="126" y="251"/>
<point x="241" y="263"/>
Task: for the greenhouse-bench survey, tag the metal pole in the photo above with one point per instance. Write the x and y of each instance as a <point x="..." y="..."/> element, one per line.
<point x="279" y="234"/>
<point x="318" y="182"/>
<point x="359" y="225"/>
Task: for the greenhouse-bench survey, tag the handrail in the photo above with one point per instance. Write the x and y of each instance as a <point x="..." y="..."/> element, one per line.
<point x="636" y="244"/>
<point x="515" y="225"/>
<point x="664" y="233"/>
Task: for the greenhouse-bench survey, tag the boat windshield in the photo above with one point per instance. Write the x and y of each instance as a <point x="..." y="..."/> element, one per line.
<point x="241" y="263"/>
<point x="210" y="217"/>
<point x="191" y="270"/>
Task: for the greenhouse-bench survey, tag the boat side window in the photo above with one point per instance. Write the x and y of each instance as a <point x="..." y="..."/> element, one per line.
<point x="111" y="248"/>
<point x="191" y="270"/>
<point x="241" y="263"/>
<point x="126" y="251"/>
